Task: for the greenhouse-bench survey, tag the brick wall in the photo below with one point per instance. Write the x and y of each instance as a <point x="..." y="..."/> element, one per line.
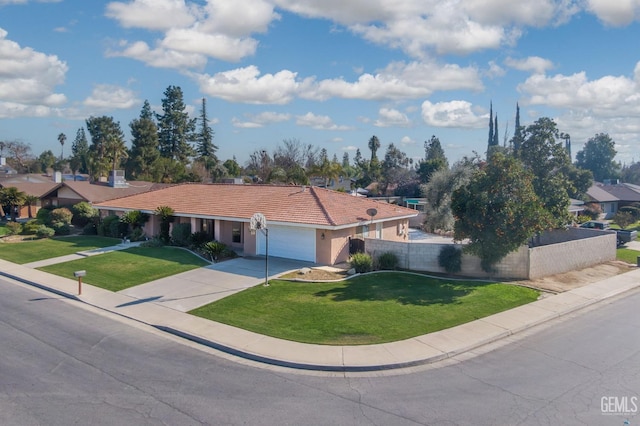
<point x="591" y="248"/>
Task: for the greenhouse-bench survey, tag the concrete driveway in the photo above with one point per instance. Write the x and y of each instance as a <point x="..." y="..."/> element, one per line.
<point x="198" y="287"/>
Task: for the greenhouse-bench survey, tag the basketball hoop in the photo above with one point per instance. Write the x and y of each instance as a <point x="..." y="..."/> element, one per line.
<point x="259" y="222"/>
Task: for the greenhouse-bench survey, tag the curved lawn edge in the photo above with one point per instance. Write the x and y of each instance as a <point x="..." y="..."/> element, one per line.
<point x="376" y="308"/>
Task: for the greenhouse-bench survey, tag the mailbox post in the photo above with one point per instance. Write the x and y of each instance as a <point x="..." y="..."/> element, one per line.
<point x="79" y="275"/>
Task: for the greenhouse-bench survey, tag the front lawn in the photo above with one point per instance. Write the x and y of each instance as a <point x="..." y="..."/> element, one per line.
<point x="627" y="255"/>
<point x="34" y="250"/>
<point x="370" y="309"/>
<point x="118" y="270"/>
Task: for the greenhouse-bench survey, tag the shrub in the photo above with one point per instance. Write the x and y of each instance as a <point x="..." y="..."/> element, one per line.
<point x="583" y="218"/>
<point x="181" y="234"/>
<point x="44" y="216"/>
<point x="110" y="227"/>
<point x="388" y="261"/>
<point x="62" y="216"/>
<point x="623" y="219"/>
<point x="214" y="249"/>
<point x="90" y="229"/>
<point x="137" y="235"/>
<point x="13" y="228"/>
<point x="30" y="227"/>
<point x="450" y="258"/>
<point x="199" y="239"/>
<point x="135" y="218"/>
<point x="593" y="210"/>
<point x="61" y="228"/>
<point x="634" y="211"/>
<point x="83" y="213"/>
<point x="361" y="262"/>
<point x="44" y="232"/>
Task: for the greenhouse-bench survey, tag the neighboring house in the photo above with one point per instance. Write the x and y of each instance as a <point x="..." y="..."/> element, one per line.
<point x="612" y="196"/>
<point x="304" y="223"/>
<point x="69" y="193"/>
<point x="37" y="189"/>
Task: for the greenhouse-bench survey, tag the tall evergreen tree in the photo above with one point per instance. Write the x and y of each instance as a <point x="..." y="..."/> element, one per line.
<point x="175" y="128"/>
<point x="144" y="144"/>
<point x="107" y="147"/>
<point x="490" y="141"/>
<point x="204" y="139"/>
<point x="80" y="152"/>
<point x="518" y="137"/>
<point x="496" y="141"/>
<point x="434" y="159"/>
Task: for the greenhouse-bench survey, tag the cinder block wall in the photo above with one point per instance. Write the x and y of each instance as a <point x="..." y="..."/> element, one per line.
<point x="567" y="256"/>
<point x="584" y="248"/>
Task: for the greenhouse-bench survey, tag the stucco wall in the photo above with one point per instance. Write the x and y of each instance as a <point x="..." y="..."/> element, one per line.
<point x="590" y="249"/>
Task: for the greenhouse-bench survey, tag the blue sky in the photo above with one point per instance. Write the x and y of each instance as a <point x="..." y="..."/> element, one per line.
<point x="326" y="72"/>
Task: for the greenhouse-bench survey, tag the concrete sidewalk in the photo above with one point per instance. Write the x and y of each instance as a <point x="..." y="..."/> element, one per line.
<point x="415" y="351"/>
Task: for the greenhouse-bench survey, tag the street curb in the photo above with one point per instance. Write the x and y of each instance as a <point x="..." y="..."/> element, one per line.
<point x="339" y="368"/>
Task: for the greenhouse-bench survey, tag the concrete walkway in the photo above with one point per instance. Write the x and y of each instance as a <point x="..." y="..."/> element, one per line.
<point x="415" y="351"/>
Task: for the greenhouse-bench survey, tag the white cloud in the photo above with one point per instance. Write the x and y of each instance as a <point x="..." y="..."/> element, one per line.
<point x="421" y="26"/>
<point x="533" y="64"/>
<point x="220" y="46"/>
<point x="610" y="104"/>
<point x="399" y="81"/>
<point x="248" y="86"/>
<point x="349" y="148"/>
<point x="458" y="114"/>
<point x="107" y="97"/>
<point x="616" y="13"/>
<point x="158" y="57"/>
<point x="389" y="117"/>
<point x="28" y="79"/>
<point x="155" y="15"/>
<point x="212" y="30"/>
<point x="260" y="120"/>
<point x="318" y="122"/>
<point x="607" y="96"/>
<point x="406" y="140"/>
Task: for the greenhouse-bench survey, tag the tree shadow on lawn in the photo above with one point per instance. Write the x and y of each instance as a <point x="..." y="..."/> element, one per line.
<point x="431" y="292"/>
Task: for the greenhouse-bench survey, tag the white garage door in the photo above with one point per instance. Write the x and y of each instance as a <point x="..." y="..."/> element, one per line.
<point x="289" y="242"/>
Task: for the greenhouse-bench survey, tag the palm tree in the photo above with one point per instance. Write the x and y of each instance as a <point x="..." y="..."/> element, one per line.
<point x="13" y="198"/>
<point x="62" y="138"/>
<point x="166" y="217"/>
<point x="31" y="200"/>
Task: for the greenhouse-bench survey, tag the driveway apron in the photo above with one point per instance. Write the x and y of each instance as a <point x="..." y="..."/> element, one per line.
<point x="198" y="287"/>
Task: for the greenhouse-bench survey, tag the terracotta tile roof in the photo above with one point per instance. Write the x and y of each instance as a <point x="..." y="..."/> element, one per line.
<point x="99" y="192"/>
<point x="288" y="204"/>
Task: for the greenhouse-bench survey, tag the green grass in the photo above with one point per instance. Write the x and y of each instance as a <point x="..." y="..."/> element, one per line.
<point x="118" y="270"/>
<point x="34" y="250"/>
<point x="3" y="230"/>
<point x="627" y="255"/>
<point x="370" y="309"/>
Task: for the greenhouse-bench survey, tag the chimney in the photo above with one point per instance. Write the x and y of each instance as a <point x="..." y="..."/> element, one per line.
<point x="57" y="177"/>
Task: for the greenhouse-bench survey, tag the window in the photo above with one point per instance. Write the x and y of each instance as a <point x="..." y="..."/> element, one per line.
<point x="378" y="230"/>
<point x="236" y="233"/>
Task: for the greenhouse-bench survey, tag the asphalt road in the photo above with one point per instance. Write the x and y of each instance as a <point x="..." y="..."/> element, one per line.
<point x="64" y="365"/>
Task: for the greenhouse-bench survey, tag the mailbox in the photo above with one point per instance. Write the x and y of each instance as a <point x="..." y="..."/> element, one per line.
<point x="79" y="274"/>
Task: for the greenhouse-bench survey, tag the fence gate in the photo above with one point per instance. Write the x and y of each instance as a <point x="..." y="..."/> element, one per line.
<point x="356" y="245"/>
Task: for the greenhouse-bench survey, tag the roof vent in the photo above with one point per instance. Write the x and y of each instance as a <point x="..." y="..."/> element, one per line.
<point x="117" y="180"/>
